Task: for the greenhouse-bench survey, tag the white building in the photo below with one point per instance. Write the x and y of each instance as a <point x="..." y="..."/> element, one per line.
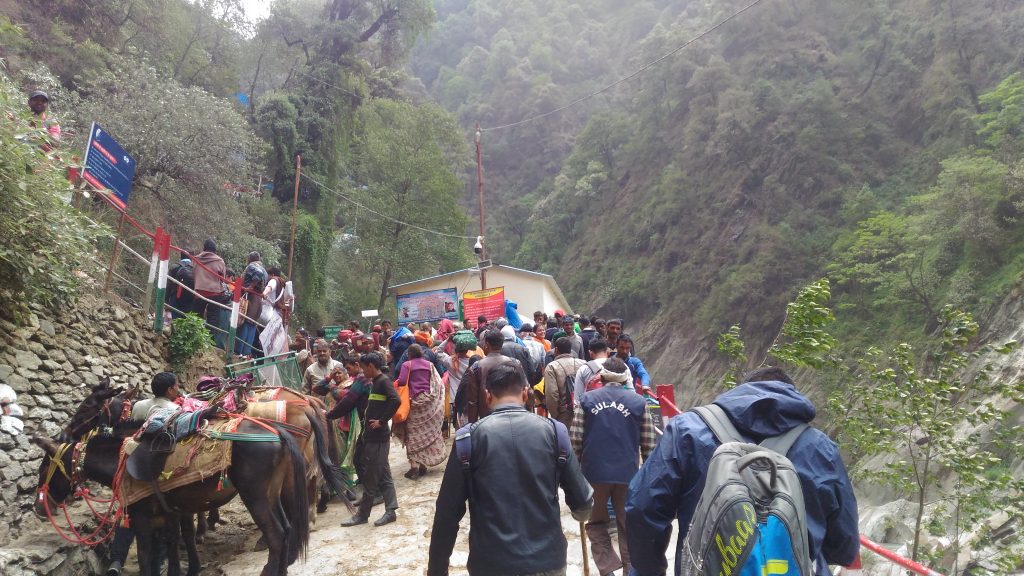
<point x="531" y="291"/>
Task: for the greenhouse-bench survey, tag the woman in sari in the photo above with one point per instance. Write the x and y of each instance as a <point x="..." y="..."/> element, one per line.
<point x="421" y="433"/>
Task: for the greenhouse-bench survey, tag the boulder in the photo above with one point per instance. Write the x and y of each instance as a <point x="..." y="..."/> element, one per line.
<point x="51" y="366"/>
<point x="47" y="328"/>
<point x="18" y="382"/>
<point x="39" y="349"/>
<point x="26" y="360"/>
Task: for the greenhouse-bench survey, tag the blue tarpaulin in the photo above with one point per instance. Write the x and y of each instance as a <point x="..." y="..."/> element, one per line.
<point x="512" y="314"/>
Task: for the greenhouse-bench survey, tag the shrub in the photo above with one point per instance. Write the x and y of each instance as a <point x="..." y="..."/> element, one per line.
<point x="189" y="337"/>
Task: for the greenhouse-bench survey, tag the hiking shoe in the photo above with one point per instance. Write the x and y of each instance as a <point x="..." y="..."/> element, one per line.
<point x="387" y="518"/>
<point x="353" y="521"/>
<point x="114" y="569"/>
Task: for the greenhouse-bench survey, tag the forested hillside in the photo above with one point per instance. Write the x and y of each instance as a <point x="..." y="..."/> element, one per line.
<point x="216" y="107"/>
<point x="875" y="142"/>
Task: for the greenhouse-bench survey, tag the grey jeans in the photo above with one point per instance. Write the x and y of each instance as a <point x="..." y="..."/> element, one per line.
<point x="377" y="478"/>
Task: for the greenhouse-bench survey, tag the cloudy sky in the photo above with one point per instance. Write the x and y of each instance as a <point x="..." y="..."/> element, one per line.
<point x="256" y="9"/>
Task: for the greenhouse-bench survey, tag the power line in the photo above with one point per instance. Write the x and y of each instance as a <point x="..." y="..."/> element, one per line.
<point x="384" y="216"/>
<point x="627" y="78"/>
<point x="326" y="83"/>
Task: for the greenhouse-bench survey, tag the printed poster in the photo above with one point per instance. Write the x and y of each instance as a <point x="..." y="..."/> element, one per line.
<point x="489" y="303"/>
<point x="432" y="306"/>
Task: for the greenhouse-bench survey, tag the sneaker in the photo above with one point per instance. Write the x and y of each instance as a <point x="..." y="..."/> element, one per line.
<point x="114" y="569"/>
<point x="387" y="518"/>
<point x="354" y="521"/>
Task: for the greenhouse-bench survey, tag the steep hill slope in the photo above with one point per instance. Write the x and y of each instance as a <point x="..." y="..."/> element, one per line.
<point x="702" y="193"/>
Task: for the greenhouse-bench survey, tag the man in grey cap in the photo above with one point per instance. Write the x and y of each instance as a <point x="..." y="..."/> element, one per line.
<point x="38" y="103"/>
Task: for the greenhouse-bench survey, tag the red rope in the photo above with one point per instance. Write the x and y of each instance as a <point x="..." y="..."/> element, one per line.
<point x="135" y="224"/>
<point x="111" y="518"/>
<point x="127" y="216"/>
<point x="76" y="537"/>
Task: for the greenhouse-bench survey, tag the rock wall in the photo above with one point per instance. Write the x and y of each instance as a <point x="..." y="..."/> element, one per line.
<point x="51" y="363"/>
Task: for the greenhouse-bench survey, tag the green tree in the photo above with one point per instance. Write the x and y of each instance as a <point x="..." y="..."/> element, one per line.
<point x="888" y="260"/>
<point x="1000" y="123"/>
<point x="187" y="150"/>
<point x="943" y="426"/>
<point x="406" y="156"/>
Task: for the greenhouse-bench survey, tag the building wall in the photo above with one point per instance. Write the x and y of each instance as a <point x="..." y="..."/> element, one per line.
<point x="529" y="292"/>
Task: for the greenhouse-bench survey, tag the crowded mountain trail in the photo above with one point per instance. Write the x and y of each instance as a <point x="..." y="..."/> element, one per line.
<point x="398" y="549"/>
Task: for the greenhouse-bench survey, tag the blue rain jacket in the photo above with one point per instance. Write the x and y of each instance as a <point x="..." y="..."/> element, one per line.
<point x="670" y="482"/>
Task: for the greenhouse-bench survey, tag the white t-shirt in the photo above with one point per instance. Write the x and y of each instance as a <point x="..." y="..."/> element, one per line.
<point x="142" y="409"/>
<point x="10" y="423"/>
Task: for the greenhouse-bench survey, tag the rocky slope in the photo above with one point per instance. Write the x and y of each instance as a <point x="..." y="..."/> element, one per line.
<point x="50" y="363"/>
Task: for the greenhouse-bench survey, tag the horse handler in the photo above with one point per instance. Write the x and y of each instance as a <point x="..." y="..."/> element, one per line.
<point x="382" y="405"/>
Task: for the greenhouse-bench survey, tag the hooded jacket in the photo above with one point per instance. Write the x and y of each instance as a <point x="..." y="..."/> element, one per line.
<point x="669" y="484"/>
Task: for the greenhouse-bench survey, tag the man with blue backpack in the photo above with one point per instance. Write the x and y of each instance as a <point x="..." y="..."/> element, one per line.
<point x="756" y="490"/>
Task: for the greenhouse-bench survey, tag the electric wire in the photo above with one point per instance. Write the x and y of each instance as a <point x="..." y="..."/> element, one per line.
<point x="638" y="72"/>
<point x="328" y="84"/>
<point x="341" y="195"/>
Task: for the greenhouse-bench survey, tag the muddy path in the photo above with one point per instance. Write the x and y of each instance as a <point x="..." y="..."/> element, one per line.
<point x="397" y="549"/>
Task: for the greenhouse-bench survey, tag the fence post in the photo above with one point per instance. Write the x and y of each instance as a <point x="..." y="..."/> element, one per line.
<point x="161" y="283"/>
<point x="236" y="298"/>
<point x="154" y="264"/>
<point x="115" y="252"/>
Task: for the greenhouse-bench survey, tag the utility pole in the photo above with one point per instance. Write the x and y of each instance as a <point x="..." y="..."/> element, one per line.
<point x="480" y="190"/>
<point x="295" y="208"/>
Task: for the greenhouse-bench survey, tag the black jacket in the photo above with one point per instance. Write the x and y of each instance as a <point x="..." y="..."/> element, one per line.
<point x="513" y="349"/>
<point x="515" y="523"/>
<point x="382" y="405"/>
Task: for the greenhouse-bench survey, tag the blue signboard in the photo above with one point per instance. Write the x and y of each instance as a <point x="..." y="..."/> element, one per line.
<point x="428" y="306"/>
<point x="108" y="167"/>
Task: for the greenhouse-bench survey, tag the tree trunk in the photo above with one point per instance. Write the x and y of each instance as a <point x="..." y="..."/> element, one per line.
<point x="389" y="268"/>
<point x="922" y="491"/>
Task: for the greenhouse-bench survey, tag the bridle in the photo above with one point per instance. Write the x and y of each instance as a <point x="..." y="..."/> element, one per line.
<point x="74" y="477"/>
<point x="96" y="422"/>
<point x="73" y="472"/>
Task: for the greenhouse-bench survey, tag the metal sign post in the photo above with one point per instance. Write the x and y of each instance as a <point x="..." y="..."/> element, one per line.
<point x="115" y="252"/>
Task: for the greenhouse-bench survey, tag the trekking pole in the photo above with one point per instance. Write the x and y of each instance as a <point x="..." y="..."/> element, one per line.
<point x="583" y="542"/>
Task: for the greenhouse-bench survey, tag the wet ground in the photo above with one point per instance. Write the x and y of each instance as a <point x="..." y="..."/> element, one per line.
<point x="397" y="549"/>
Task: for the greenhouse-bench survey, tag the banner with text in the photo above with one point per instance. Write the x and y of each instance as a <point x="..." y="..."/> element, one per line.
<point x="108" y="167"/>
<point x="432" y="306"/>
<point x="331" y="332"/>
<point x="488" y="303"/>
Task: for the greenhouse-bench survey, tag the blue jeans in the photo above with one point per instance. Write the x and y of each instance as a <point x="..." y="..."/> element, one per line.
<point x="243" y="341"/>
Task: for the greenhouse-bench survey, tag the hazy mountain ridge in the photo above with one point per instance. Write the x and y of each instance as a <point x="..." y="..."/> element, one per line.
<point x="705" y="191"/>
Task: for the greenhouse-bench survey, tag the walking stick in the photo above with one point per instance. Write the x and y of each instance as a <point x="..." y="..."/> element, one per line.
<point x="583" y="542"/>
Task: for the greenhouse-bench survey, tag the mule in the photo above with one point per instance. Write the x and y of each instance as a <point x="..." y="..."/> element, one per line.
<point x="106" y="409"/>
<point x="257" y="474"/>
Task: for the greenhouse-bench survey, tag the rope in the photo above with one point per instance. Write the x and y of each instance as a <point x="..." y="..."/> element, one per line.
<point x="127" y="216"/>
<point x="118" y="276"/>
<point x="243" y="437"/>
<point x="382" y="215"/>
<point x="640" y="71"/>
<point x="128" y="248"/>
